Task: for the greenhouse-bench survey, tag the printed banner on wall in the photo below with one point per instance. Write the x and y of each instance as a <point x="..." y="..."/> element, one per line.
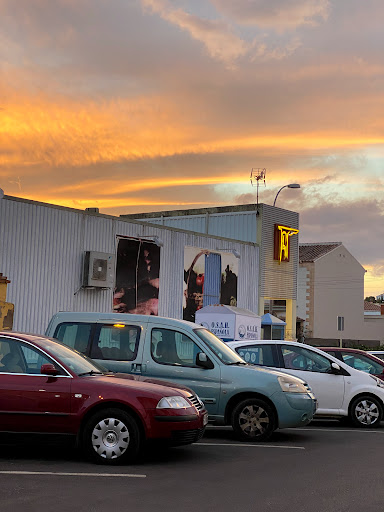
<point x="137" y="277"/>
<point x="209" y="278"/>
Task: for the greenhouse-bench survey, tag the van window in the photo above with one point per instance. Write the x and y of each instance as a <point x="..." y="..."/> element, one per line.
<point x="74" y="335"/>
<point x="173" y="347"/>
<point x="218" y="347"/>
<point x="116" y="342"/>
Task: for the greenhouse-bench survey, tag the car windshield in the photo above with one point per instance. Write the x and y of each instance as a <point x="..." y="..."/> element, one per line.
<point x="218" y="347"/>
<point x="77" y="362"/>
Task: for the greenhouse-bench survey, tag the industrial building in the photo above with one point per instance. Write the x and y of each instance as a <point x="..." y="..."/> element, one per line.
<point x="54" y="258"/>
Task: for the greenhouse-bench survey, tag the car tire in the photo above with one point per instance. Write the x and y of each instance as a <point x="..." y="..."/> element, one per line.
<point x="253" y="420"/>
<point x="111" y="436"/>
<point x="365" y="411"/>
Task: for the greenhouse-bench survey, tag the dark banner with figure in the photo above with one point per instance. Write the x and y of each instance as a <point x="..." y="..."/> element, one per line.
<point x="137" y="277"/>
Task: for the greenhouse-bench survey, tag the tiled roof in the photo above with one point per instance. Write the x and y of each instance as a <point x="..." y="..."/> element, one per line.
<point x="371" y="306"/>
<point x="311" y="252"/>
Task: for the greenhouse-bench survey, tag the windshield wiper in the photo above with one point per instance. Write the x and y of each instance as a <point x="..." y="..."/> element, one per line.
<point x="92" y="372"/>
<point x="239" y="362"/>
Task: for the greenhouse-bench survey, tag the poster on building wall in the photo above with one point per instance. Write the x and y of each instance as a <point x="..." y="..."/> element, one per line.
<point x="137" y="277"/>
<point x="229" y="273"/>
<point x="209" y="278"/>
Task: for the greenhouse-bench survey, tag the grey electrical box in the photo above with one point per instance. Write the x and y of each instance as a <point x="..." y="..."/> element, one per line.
<point x="99" y="270"/>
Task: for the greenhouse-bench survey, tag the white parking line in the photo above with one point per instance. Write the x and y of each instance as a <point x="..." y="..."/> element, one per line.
<point x="243" y="445"/>
<point x="357" y="431"/>
<point x="52" y="473"/>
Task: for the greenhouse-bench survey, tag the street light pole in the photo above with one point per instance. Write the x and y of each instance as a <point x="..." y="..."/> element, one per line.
<point x="291" y="185"/>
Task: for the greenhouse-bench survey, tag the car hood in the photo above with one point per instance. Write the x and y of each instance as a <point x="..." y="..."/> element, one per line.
<point x="126" y="378"/>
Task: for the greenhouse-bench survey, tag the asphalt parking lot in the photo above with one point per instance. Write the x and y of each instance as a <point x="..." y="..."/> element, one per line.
<point x="323" y="467"/>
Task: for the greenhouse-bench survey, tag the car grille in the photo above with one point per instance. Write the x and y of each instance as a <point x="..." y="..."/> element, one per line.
<point x="180" y="437"/>
<point x="309" y="389"/>
<point x="195" y="402"/>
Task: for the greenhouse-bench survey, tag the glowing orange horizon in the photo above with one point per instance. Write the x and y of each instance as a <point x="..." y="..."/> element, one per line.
<point x="106" y="203"/>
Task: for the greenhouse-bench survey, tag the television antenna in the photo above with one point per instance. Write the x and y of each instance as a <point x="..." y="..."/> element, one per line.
<point x="257" y="174"/>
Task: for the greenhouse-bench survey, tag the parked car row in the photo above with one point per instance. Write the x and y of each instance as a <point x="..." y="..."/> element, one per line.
<point x="164" y="370"/>
<point x="117" y="381"/>
<point x="341" y="388"/>
<point x="255" y="402"/>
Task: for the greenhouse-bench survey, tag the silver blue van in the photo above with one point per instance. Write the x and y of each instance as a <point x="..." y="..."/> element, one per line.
<point x="255" y="401"/>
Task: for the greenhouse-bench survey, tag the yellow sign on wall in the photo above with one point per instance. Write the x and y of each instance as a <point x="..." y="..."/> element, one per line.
<point x="281" y="246"/>
<point x="6" y="315"/>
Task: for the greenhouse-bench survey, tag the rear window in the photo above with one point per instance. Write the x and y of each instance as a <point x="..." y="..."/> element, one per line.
<point x="257" y="354"/>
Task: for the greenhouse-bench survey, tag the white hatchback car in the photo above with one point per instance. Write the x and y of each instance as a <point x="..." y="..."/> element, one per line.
<point x="341" y="391"/>
<point x="377" y="353"/>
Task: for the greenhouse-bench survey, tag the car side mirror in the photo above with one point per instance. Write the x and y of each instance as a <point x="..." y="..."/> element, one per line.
<point x="49" y="369"/>
<point x="335" y="367"/>
<point x="203" y="361"/>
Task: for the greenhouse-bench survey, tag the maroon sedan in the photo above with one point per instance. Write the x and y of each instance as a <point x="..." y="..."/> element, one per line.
<point x="358" y="359"/>
<point x="46" y="387"/>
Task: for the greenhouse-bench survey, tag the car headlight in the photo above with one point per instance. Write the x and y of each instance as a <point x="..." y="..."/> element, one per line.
<point x="378" y="381"/>
<point x="173" y="402"/>
<point x="292" y="385"/>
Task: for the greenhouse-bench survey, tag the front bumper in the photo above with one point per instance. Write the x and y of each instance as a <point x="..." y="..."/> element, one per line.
<point x="294" y="409"/>
<point x="178" y="427"/>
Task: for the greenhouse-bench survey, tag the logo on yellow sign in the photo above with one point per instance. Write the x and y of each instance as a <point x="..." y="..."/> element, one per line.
<point x="282" y="235"/>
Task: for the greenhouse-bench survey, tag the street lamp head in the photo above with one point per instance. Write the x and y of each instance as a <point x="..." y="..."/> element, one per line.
<point x="291" y="185"/>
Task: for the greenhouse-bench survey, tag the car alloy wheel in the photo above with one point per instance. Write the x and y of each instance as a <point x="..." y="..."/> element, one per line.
<point x="253" y="420"/>
<point x="366" y="411"/>
<point x="112" y="436"/>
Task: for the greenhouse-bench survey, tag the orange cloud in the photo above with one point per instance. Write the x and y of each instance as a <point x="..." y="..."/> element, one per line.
<point x="73" y="134"/>
<point x="105" y="203"/>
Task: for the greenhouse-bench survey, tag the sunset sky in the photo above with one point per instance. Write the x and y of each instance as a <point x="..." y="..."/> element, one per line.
<point x="143" y="105"/>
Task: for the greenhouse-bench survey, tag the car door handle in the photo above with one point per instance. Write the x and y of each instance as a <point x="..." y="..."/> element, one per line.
<point x="136" y="367"/>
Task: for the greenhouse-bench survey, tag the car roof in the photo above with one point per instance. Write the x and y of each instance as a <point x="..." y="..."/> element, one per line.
<point x="92" y="316"/>
<point x="282" y="342"/>
<point x="345" y="349"/>
<point x="355" y="351"/>
<point x="25" y="336"/>
<point x="235" y="344"/>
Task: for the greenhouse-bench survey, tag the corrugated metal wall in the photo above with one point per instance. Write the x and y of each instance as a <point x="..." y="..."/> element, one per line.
<point x="236" y="225"/>
<point x="278" y="280"/>
<point x="42" y="249"/>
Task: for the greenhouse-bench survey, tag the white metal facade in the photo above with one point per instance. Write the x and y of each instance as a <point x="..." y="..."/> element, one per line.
<point x="42" y="250"/>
